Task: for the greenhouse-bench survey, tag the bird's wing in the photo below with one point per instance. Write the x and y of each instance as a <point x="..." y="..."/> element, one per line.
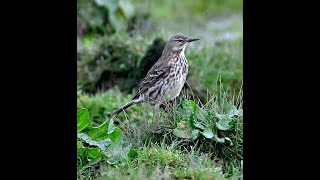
<point x="153" y="75"/>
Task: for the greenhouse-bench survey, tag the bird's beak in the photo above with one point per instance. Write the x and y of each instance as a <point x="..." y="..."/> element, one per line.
<point x="190" y="40"/>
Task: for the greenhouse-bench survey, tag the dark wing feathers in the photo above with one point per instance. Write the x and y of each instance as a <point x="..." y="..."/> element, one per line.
<point x="153" y="75"/>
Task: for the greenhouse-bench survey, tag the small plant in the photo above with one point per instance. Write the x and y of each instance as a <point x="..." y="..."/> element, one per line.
<point x="196" y="121"/>
<point x="102" y="142"/>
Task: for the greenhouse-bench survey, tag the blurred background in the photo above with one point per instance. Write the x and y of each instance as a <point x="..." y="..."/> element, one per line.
<point x="119" y="40"/>
<point x="117" y="43"/>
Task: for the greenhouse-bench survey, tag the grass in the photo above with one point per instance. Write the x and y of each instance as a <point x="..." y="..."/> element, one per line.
<point x="161" y="161"/>
<point x="165" y="8"/>
<point x="156" y="161"/>
<point x="164" y="154"/>
<point x="206" y="66"/>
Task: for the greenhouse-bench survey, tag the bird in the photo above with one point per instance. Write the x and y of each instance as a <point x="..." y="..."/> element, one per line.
<point x="166" y="78"/>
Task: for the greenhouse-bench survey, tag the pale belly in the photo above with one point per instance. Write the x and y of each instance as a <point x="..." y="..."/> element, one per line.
<point x="173" y="92"/>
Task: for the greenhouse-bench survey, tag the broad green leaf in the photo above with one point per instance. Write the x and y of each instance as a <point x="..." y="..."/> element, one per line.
<point x="183" y="130"/>
<point x="101" y="144"/>
<point x="100" y="132"/>
<point x="195" y="134"/>
<point x="118" y="154"/>
<point x="116" y="136"/>
<point x="181" y="113"/>
<point x="93" y="153"/>
<point x="225" y="123"/>
<point x="83" y="119"/>
<point x="186" y="134"/>
<point x="233" y="112"/>
<point x="207" y="133"/>
<point x="184" y="110"/>
<point x="222" y="126"/>
<point x="111" y="126"/>
<point x="201" y="114"/>
<point x="220" y="116"/>
<point x="198" y="124"/>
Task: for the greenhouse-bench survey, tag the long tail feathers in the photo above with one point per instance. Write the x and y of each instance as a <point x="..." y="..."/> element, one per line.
<point x="120" y="109"/>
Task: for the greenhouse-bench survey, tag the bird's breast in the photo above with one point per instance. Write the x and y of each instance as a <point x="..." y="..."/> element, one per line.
<point x="177" y="78"/>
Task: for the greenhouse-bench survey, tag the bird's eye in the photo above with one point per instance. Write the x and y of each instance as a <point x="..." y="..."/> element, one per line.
<point x="179" y="40"/>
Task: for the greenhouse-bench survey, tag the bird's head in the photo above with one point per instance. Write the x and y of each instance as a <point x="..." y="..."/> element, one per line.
<point x="178" y="43"/>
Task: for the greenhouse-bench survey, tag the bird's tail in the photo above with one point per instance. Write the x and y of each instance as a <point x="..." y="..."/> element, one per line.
<point x="120" y="109"/>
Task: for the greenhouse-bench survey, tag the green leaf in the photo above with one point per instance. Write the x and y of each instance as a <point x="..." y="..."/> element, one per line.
<point x="207" y="133"/>
<point x="181" y="113"/>
<point x="101" y="144"/>
<point x="116" y="136"/>
<point x="100" y="132"/>
<point x="118" y="154"/>
<point x="233" y="112"/>
<point x="183" y="130"/>
<point x="198" y="124"/>
<point x="93" y="153"/>
<point x="225" y="123"/>
<point x="111" y="126"/>
<point x="186" y="134"/>
<point x="184" y="109"/>
<point x="195" y="134"/>
<point x="83" y="119"/>
<point x="201" y="114"/>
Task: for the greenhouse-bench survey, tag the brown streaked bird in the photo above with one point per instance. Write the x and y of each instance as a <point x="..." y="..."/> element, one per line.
<point x="165" y="79"/>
